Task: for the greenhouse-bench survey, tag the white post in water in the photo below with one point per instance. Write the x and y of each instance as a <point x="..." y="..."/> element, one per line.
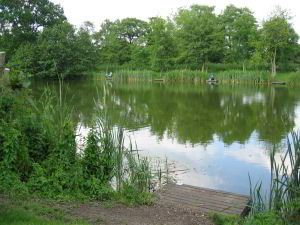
<point x="2" y="62"/>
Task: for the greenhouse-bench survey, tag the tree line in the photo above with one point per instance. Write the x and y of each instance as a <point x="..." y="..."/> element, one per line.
<point x="40" y="41"/>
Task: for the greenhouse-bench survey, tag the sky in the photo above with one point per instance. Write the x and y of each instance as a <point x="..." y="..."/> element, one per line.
<point x="96" y="11"/>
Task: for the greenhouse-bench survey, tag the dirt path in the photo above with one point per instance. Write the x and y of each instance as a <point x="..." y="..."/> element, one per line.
<point x="98" y="213"/>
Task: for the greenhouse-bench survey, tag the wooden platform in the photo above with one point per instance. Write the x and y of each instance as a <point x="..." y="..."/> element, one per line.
<point x="204" y="200"/>
<point x="158" y="80"/>
<point x="212" y="81"/>
<point x="278" y="82"/>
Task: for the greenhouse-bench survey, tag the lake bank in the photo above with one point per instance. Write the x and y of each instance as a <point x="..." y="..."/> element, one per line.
<point x="42" y="212"/>
<point x="192" y="76"/>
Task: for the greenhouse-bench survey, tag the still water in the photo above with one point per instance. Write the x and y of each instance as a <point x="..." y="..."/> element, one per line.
<point x="213" y="135"/>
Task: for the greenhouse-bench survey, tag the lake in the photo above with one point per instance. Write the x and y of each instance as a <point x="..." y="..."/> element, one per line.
<point x="212" y="136"/>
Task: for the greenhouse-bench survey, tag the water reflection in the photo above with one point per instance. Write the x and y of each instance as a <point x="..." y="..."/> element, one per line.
<point x="219" y="133"/>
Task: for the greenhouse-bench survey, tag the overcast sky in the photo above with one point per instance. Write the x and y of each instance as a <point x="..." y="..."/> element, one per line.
<point x="97" y="11"/>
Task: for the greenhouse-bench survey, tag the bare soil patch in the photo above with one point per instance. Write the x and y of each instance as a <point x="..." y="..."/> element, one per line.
<point x="159" y="214"/>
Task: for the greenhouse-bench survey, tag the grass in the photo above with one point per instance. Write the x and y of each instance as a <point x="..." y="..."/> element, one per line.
<point x="292" y="78"/>
<point x="27" y="212"/>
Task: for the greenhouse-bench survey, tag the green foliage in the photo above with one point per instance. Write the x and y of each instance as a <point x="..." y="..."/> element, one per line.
<point x="98" y="159"/>
<point x="239" y="31"/>
<point x="38" y="155"/>
<point x="220" y="219"/>
<point x="16" y="78"/>
<point x="58" y="52"/>
<point x="22" y="20"/>
<point x="23" y="213"/>
<point x="40" y="42"/>
<point x="265" y="218"/>
<point x="161" y="44"/>
<point x="198" y="39"/>
<point x="283" y="200"/>
<point x="199" y="36"/>
<point x="269" y="218"/>
<point x="276" y="36"/>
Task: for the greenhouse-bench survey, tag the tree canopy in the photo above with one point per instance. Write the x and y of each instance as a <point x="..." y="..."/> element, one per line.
<point x="38" y="39"/>
<point x="21" y="20"/>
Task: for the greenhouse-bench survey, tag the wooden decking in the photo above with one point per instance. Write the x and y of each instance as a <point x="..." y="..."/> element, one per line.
<point x="158" y="80"/>
<point x="278" y="82"/>
<point x="212" y="81"/>
<point x="204" y="200"/>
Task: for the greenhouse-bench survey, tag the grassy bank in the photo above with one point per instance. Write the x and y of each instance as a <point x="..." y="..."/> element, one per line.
<point x="229" y="76"/>
<point x="26" y="211"/>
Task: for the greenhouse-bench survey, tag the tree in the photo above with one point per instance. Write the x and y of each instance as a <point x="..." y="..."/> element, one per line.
<point x="86" y="47"/>
<point x="275" y="36"/>
<point x="199" y="35"/>
<point x="131" y="29"/>
<point x="21" y="21"/>
<point x="239" y="30"/>
<point x="161" y="44"/>
<point x="58" y="52"/>
<point x="113" y="48"/>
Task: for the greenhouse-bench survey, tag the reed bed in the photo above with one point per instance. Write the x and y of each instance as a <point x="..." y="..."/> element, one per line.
<point x="284" y="193"/>
<point x="237" y="76"/>
<point x="231" y="76"/>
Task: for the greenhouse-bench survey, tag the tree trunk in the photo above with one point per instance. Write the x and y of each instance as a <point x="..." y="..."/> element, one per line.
<point x="273" y="67"/>
<point x="203" y="67"/>
<point x="244" y="68"/>
<point x="273" y="74"/>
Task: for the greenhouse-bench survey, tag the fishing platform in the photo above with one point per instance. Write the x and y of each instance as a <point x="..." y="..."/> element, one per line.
<point x="204" y="200"/>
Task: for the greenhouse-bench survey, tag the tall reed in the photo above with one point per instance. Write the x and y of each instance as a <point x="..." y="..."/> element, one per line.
<point x="284" y="193"/>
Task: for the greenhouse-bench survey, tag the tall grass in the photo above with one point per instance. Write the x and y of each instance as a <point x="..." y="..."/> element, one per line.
<point x="284" y="193"/>
<point x="238" y="76"/>
<point x="185" y="75"/>
<point x="228" y="76"/>
<point x="293" y="78"/>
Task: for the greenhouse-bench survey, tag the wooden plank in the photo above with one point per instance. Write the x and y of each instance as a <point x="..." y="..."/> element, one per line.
<point x="212" y="190"/>
<point x="278" y="82"/>
<point x="207" y="205"/>
<point x="212" y="81"/>
<point x="201" y="208"/>
<point x="210" y="198"/>
<point x="204" y="199"/>
<point x="208" y="192"/>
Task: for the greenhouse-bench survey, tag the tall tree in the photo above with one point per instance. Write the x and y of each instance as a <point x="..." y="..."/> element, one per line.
<point x="21" y="20"/>
<point x="162" y="45"/>
<point x="199" y="35"/>
<point x="239" y="30"/>
<point x="131" y="29"/>
<point x="276" y="35"/>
